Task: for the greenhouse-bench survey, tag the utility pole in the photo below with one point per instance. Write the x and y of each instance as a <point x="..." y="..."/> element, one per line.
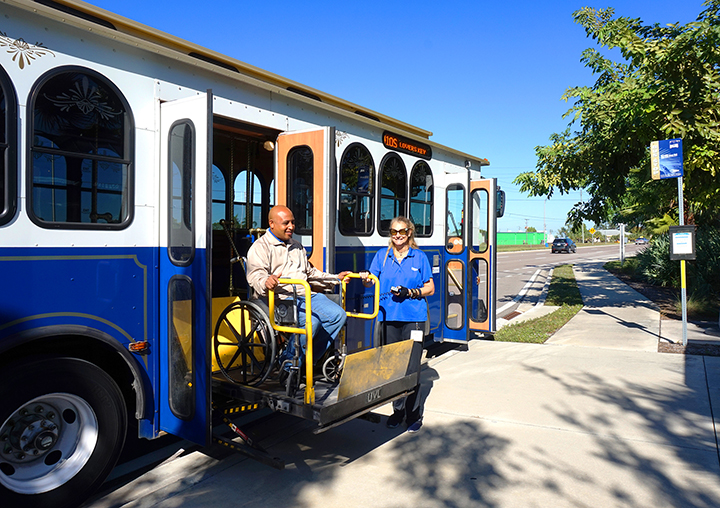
<point x="583" y="222"/>
<point x="544" y="224"/>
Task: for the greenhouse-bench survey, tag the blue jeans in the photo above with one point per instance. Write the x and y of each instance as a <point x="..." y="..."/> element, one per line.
<point x="327" y="320"/>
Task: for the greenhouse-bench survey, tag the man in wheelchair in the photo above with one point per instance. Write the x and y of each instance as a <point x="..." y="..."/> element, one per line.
<point x="276" y="255"/>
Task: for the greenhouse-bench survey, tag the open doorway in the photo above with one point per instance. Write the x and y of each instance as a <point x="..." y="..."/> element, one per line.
<point x="243" y="191"/>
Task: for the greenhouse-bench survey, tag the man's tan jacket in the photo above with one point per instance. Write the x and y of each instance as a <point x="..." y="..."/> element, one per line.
<point x="270" y="256"/>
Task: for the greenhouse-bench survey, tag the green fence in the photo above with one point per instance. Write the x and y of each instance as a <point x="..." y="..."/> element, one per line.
<point x="520" y="238"/>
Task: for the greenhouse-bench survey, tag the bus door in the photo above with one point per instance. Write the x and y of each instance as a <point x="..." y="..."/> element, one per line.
<point x="306" y="184"/>
<point x="454" y="272"/>
<point x="481" y="278"/>
<point x="184" y="317"/>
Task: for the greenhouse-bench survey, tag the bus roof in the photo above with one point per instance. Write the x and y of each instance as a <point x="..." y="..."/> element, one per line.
<point x="121" y="29"/>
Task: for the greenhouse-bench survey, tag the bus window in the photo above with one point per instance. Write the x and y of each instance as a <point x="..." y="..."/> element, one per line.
<point x="357" y="175"/>
<point x="454" y="304"/>
<point x="421" y="198"/>
<point x="300" y="188"/>
<point x="454" y="229"/>
<point x="81" y="141"/>
<point x="247" y="201"/>
<point x="479" y="293"/>
<point x="8" y="149"/>
<point x="181" y="241"/>
<point x="181" y="376"/>
<point x="393" y="191"/>
<point x="218" y="197"/>
<point x="479" y="220"/>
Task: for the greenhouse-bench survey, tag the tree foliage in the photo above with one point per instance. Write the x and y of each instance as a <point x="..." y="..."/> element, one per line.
<point x="666" y="86"/>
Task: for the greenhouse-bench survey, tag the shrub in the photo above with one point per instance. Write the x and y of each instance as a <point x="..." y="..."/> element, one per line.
<point x="703" y="274"/>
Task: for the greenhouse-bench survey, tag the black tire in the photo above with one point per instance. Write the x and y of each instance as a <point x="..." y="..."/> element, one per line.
<point x="75" y="417"/>
<point x="244" y="344"/>
<point x="332" y="368"/>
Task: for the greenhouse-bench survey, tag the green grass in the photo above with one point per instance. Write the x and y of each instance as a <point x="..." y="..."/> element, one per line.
<point x="563" y="288"/>
<point x="629" y="267"/>
<point x="563" y="292"/>
<point x="698" y="307"/>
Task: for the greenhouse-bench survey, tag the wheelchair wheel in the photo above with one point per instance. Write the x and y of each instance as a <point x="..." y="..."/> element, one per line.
<point x="332" y="368"/>
<point x="244" y="344"/>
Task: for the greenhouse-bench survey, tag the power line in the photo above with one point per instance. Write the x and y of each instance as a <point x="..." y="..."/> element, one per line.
<point x="532" y="216"/>
<point x="543" y="199"/>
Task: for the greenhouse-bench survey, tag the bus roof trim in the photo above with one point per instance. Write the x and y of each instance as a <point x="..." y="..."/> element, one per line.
<point x="131" y="32"/>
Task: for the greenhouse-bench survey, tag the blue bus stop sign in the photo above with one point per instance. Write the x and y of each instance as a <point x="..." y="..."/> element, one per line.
<point x="666" y="158"/>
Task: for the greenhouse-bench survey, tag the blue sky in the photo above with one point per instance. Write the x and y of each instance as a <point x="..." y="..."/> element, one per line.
<point x="485" y="77"/>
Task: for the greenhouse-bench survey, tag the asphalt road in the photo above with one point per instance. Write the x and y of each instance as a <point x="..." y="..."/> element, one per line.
<point x="516" y="269"/>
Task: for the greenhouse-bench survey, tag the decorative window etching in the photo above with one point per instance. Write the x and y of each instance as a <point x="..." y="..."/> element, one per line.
<point x="86" y="98"/>
<point x="21" y="51"/>
<point x="340" y="137"/>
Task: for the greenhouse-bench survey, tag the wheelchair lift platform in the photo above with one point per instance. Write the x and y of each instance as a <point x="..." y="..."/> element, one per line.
<point x="369" y="379"/>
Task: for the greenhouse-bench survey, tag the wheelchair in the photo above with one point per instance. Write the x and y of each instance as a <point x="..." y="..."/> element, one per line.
<point x="250" y="348"/>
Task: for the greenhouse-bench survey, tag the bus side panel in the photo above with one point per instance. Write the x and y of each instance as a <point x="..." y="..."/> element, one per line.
<point x="106" y="288"/>
<point x="89" y="292"/>
<point x="360" y="333"/>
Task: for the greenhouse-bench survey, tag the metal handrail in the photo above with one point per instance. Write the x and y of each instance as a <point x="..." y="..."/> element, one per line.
<point x="307" y="331"/>
<point x="376" y="307"/>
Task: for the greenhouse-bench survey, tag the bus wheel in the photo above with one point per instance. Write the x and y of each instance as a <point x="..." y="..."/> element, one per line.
<point x="244" y="344"/>
<point x="62" y="428"/>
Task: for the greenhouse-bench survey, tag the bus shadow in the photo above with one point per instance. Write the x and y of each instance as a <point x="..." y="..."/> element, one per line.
<point x="356" y="464"/>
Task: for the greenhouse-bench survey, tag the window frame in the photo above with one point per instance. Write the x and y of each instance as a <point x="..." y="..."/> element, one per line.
<point x="370" y="194"/>
<point x="430" y="203"/>
<point x="403" y="212"/>
<point x="9" y="147"/>
<point x="250" y="203"/>
<point x="179" y="385"/>
<point x="127" y="158"/>
<point x="449" y="246"/>
<point x="305" y="230"/>
<point x="188" y="181"/>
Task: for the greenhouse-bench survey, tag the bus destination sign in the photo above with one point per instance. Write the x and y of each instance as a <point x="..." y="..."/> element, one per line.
<point x="405" y="145"/>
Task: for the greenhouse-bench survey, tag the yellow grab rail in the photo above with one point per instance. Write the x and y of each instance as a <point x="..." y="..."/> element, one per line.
<point x="376" y="306"/>
<point x="307" y="331"/>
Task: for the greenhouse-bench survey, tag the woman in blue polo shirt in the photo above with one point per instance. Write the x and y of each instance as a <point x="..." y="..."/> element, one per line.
<point x="405" y="276"/>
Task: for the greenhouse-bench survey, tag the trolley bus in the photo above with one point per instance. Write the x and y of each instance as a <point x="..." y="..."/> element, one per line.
<point x="137" y="169"/>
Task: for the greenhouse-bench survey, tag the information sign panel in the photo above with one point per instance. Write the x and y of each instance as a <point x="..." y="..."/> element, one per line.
<point x="666" y="159"/>
<point x="682" y="242"/>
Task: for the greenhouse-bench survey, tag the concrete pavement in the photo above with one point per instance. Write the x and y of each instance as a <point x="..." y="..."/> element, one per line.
<point x="596" y="417"/>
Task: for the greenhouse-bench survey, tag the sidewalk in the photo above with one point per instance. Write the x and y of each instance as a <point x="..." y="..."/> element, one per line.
<point x="597" y="418"/>
<point x="616" y="316"/>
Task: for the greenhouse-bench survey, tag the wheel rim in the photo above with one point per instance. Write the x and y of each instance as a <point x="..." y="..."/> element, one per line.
<point x="46" y="442"/>
<point x="331" y="369"/>
<point x="246" y="354"/>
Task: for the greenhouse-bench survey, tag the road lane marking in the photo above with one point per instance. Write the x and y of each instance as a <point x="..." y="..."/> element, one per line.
<point x="521" y="294"/>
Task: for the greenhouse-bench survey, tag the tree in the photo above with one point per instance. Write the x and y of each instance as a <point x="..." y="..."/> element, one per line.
<point x="667" y="86"/>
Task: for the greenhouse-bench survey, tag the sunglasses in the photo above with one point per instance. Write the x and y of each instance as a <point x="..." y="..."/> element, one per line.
<point x="403" y="231"/>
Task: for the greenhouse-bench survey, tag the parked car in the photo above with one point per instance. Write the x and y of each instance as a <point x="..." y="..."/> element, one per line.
<point x="563" y="245"/>
<point x="641" y="241"/>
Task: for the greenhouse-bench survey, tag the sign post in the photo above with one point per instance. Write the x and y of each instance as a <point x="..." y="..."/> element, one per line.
<point x="666" y="159"/>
